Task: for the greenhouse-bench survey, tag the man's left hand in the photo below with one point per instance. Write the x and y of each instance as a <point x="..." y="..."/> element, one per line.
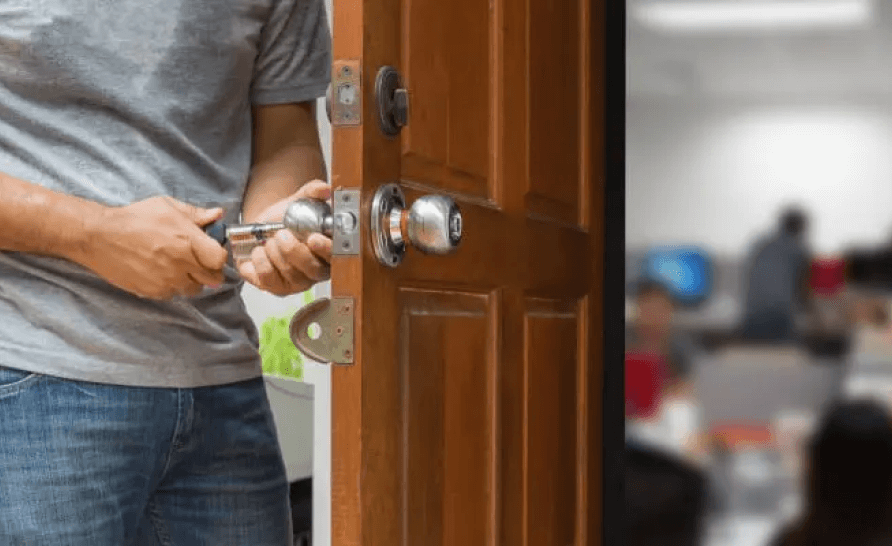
<point x="284" y="265"/>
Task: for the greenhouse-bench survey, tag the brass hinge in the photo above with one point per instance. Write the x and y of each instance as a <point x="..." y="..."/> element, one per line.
<point x="333" y="319"/>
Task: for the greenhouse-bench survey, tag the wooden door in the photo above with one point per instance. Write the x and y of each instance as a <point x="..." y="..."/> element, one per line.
<point x="471" y="415"/>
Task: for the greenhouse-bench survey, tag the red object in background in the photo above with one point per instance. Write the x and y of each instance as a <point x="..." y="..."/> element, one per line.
<point x="740" y="436"/>
<point x="827" y="276"/>
<point x="646" y="375"/>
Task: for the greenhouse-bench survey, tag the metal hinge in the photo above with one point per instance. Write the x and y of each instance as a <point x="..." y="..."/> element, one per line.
<point x="332" y="338"/>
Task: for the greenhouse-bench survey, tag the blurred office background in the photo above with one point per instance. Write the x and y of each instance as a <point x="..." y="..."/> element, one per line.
<point x="737" y="111"/>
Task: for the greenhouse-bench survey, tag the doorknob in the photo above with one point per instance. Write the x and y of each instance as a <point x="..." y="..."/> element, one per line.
<point x="433" y="224"/>
<point x="302" y="217"/>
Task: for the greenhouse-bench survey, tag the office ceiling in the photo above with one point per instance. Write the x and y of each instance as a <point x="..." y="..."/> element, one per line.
<point x="842" y="64"/>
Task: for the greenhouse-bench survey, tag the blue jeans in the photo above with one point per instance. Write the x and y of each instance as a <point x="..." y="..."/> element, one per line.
<point x="83" y="464"/>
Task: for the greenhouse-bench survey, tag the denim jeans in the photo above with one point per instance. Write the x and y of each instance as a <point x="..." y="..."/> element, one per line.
<point x="84" y="464"/>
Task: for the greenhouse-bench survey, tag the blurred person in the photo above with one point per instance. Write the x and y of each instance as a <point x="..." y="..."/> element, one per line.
<point x="664" y="499"/>
<point x="654" y="337"/>
<point x="665" y="487"/>
<point x="777" y="281"/>
<point x="849" y="485"/>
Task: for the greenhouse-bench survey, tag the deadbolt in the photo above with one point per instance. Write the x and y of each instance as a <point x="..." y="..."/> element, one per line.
<point x="393" y="101"/>
<point x="433" y="225"/>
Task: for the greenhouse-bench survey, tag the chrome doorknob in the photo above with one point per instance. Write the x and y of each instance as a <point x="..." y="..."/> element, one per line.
<point x="302" y="218"/>
<point x="307" y="216"/>
<point x="432" y="225"/>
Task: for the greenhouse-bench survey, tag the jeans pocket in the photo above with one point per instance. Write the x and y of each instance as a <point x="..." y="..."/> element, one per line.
<point x="13" y="381"/>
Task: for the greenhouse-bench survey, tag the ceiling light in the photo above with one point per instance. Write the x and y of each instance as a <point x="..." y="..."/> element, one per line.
<point x="756" y="15"/>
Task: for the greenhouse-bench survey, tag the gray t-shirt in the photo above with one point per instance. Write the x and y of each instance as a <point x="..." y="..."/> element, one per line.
<point x="120" y="101"/>
<point x="777" y="269"/>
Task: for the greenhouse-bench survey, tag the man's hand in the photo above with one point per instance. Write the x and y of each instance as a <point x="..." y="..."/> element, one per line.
<point x="284" y="265"/>
<point x="155" y="248"/>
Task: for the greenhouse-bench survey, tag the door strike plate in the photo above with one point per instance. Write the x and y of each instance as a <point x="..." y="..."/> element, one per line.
<point x="332" y="338"/>
<point x="346" y="94"/>
<point x="345" y="232"/>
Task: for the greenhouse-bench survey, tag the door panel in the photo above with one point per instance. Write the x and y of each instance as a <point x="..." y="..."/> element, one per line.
<point x="551" y="371"/>
<point x="447" y="142"/>
<point x="554" y="101"/>
<point x="469" y="414"/>
<point x="447" y="417"/>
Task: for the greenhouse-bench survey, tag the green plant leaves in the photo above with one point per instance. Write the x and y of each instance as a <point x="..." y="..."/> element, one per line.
<point x="279" y="355"/>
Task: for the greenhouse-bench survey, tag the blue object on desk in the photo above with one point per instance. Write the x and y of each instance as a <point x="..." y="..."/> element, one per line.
<point x="687" y="272"/>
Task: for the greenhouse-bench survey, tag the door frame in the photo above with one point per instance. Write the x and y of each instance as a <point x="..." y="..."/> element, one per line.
<point x="612" y="49"/>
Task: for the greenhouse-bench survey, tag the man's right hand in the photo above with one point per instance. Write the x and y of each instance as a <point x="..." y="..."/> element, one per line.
<point x="155" y="248"/>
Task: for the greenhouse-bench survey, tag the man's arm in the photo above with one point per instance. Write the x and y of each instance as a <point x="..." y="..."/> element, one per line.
<point x="286" y="154"/>
<point x="153" y="248"/>
<point x="40" y="221"/>
<point x="287" y="163"/>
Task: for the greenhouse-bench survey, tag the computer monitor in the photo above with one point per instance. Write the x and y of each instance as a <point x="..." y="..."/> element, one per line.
<point x="687" y="272"/>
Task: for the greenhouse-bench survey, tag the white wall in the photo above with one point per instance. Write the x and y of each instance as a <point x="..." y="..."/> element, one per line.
<point x="718" y="174"/>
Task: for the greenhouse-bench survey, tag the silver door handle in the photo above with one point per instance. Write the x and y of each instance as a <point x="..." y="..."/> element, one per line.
<point x="302" y="218"/>
<point x="432" y="225"/>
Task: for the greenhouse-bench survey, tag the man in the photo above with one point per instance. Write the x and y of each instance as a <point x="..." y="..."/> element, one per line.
<point x="132" y="410"/>
<point x="654" y="334"/>
<point x="777" y="281"/>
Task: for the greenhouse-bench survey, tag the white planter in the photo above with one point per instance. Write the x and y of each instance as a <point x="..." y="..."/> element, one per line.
<point x="292" y="404"/>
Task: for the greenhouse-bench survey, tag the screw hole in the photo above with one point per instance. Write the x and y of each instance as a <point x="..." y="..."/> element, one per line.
<point x="314" y="331"/>
<point x="346" y="245"/>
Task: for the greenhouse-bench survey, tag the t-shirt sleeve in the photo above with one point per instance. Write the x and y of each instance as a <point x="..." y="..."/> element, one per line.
<point x="294" y="59"/>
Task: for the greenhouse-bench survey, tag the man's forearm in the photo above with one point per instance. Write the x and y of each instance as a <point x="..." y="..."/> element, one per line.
<point x="286" y="155"/>
<point x="277" y="179"/>
<point x="40" y="221"/>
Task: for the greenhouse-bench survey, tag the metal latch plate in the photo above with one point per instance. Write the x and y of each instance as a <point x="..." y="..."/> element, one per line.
<point x="333" y="318"/>
<point x="346" y="99"/>
<point x="345" y="232"/>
